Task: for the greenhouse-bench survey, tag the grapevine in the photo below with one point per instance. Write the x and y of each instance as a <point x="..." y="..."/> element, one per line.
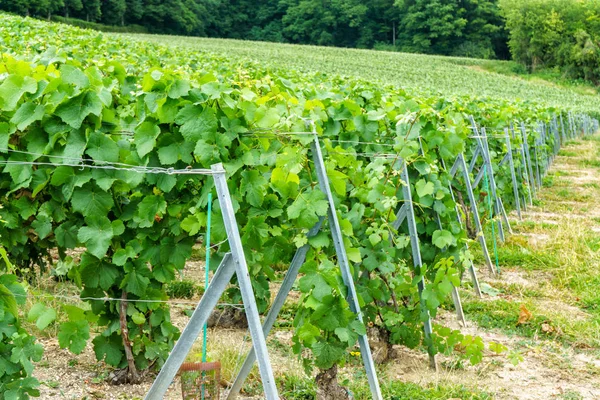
<point x="65" y="117"/>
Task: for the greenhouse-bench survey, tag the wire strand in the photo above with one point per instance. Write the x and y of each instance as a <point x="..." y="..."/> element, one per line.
<point x="112" y="299"/>
<point x="98" y="164"/>
<point x="137" y="169"/>
<point x="359" y="142"/>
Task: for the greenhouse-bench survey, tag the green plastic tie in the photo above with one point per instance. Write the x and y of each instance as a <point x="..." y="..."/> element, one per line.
<point x="206" y="278"/>
<point x="491" y="210"/>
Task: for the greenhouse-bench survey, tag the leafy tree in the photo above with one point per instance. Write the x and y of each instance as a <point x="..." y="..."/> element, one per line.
<point x="485" y="35"/>
<point x="172" y="16"/>
<point x="431" y="26"/>
<point x="22" y="7"/>
<point x="92" y="10"/>
<point x="555" y="33"/>
<point x="454" y="27"/>
<point x="135" y="10"/>
<point x="72" y="5"/>
<point x="113" y="12"/>
<point x="331" y="23"/>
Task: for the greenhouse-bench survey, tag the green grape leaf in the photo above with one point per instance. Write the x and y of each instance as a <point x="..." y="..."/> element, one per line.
<point x="338" y="181"/>
<point x="178" y="89"/>
<point x="319" y="240"/>
<point x="96" y="273"/>
<point x="266" y="117"/>
<point x="13" y="88"/>
<point x="254" y="187"/>
<point x="193" y="223"/>
<point x="148" y="209"/>
<point x="138" y="318"/>
<point x="42" y="315"/>
<point x="442" y="239"/>
<point x="145" y="137"/>
<point x="27" y="114"/>
<point x="108" y="349"/>
<point x="8" y="298"/>
<point x="315" y="282"/>
<point x="73" y="335"/>
<point x="308" y="207"/>
<point x="67" y="179"/>
<point x="169" y="154"/>
<point x="76" y="109"/>
<point x="326" y="354"/>
<point x="74" y="76"/>
<point x="136" y="280"/>
<point x="66" y="235"/>
<point x="196" y="122"/>
<point x="91" y="200"/>
<point x="42" y="226"/>
<point x="5" y="132"/>
<point x="102" y="148"/>
<point x="97" y="234"/>
<point x="424" y="188"/>
<point x="308" y="333"/>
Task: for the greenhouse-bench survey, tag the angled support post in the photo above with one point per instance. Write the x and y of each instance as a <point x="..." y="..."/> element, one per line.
<point x="408" y="213"/>
<point x="562" y="129"/>
<point x="536" y="157"/>
<point x="556" y="137"/>
<point x="521" y="168"/>
<point x="284" y="290"/>
<point x="237" y="251"/>
<point x="512" y="174"/>
<point x="472" y="271"/>
<point x="460" y="314"/>
<point x="455" y="293"/>
<point x="498" y="206"/>
<point x="338" y="241"/>
<point x="530" y="176"/>
<point x="482" y="143"/>
<point x="465" y="171"/>
<point x="234" y="262"/>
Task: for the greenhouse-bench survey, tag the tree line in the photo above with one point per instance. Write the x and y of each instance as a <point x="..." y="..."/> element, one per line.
<point x="540" y="34"/>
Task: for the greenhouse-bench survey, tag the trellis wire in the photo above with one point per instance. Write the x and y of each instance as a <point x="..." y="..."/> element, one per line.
<point x="113" y="299"/>
<point x="93" y="164"/>
<point x="137" y="169"/>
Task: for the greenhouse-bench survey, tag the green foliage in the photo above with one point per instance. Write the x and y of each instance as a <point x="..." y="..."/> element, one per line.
<point x="18" y="349"/>
<point x="445" y="77"/>
<point x="450" y="27"/>
<point x="184" y="289"/>
<point x="555" y="33"/>
<point x="138" y="230"/>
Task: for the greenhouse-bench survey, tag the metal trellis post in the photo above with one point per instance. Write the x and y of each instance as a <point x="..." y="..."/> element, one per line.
<point x="408" y="213"/>
<point x="512" y="174"/>
<point x="234" y="262"/>
<point x="462" y="164"/>
<point x="338" y="241"/>
<point x="284" y="290"/>
<point x="472" y="271"/>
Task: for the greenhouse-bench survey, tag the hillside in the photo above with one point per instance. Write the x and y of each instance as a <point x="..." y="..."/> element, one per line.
<point x="420" y="74"/>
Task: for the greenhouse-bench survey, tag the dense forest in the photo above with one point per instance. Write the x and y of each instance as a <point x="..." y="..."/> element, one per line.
<point x="540" y="34"/>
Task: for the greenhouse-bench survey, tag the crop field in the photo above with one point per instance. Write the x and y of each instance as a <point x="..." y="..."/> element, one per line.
<point x="424" y="75"/>
<point x="389" y="193"/>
